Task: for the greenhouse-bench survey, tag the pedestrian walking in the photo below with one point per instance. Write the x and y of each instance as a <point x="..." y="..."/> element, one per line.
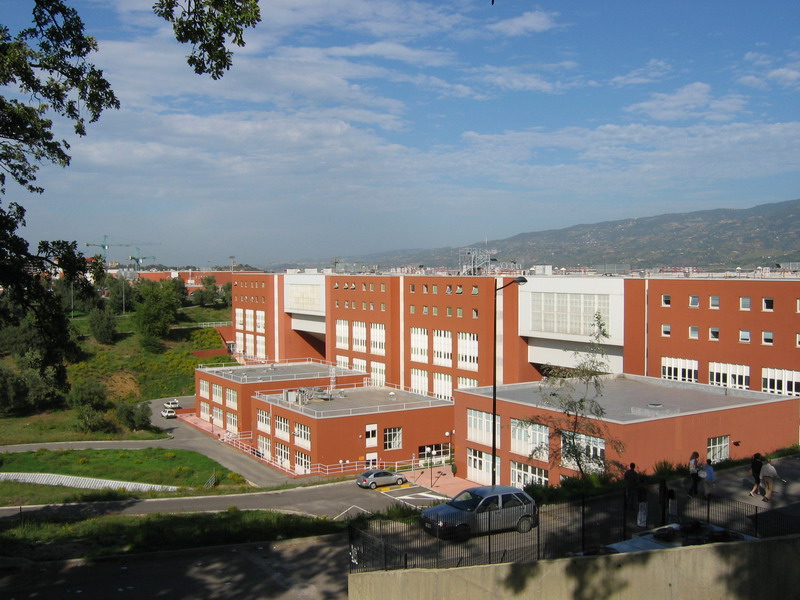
<point x="755" y="469"/>
<point x="694" y="473"/>
<point x="768" y="476"/>
<point x="709" y="479"/>
<point x="631" y="480"/>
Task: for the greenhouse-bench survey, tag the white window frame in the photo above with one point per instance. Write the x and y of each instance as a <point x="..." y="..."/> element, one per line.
<point x="744" y="336"/>
<point x="282" y="428"/>
<point x="523" y="474"/>
<point x="694" y="332"/>
<point x="419" y="382"/>
<point x="265" y="447"/>
<point x="419" y="344"/>
<point x="767" y="338"/>
<point x="232" y="398"/>
<point x="263" y="421"/>
<point x="359" y="336"/>
<point x="729" y="375"/>
<point x="718" y="448"/>
<point x="594" y="449"/>
<point x="666" y="330"/>
<point x="371" y="435"/>
<point x="204" y="387"/>
<point x="261" y="321"/>
<point x="694" y="301"/>
<point x="479" y="427"/>
<point x="467" y="351"/>
<point x="377" y="373"/>
<point x="232" y="422"/>
<point x="393" y="438"/>
<point x="530" y="439"/>
<point x="377" y="339"/>
<point x="342" y="334"/>
<point x="302" y="463"/>
<point x="216" y="393"/>
<point x="679" y="369"/>
<point x="283" y="456"/>
<point x="443" y="386"/>
<point x="302" y="436"/>
<point x="784" y="382"/>
<point x="442" y="348"/>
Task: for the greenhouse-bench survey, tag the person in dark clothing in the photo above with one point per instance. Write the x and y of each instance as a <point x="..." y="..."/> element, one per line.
<point x="694" y="473"/>
<point x="631" y="480"/>
<point x="755" y="469"/>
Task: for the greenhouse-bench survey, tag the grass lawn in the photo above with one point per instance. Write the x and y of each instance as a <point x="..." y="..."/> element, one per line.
<point x="182" y="468"/>
<point x="41" y="538"/>
<point x="60" y="426"/>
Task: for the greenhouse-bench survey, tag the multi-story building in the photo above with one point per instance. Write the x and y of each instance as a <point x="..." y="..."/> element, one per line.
<point x="431" y="335"/>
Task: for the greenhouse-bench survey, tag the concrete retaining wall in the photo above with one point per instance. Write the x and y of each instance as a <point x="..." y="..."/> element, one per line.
<point x="733" y="571"/>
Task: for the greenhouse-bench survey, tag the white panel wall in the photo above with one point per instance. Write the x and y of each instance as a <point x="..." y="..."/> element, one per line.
<point x="304" y="294"/>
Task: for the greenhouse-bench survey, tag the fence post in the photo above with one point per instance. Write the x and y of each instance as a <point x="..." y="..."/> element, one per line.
<point x="708" y="509"/>
<point x="662" y="499"/>
<point x="583" y="523"/>
<point x="624" y="516"/>
<point x="755" y="523"/>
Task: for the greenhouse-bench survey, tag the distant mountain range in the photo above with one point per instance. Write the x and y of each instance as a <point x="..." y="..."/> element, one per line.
<point x="719" y="239"/>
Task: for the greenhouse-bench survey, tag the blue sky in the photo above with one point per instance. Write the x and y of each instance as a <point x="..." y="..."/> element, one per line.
<point x="351" y="127"/>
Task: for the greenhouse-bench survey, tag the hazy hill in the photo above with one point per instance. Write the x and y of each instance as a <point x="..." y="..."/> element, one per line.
<point x="711" y="239"/>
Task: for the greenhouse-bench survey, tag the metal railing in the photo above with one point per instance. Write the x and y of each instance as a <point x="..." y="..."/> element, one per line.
<point x="583" y="526"/>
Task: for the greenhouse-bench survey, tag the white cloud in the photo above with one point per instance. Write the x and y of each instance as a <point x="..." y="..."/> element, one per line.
<point x="693" y="101"/>
<point x="654" y="70"/>
<point x="529" y="22"/>
<point x="785" y="76"/>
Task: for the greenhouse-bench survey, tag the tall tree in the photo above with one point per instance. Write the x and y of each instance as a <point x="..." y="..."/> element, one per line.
<point x="575" y="394"/>
<point x="46" y="70"/>
<point x="156" y="311"/>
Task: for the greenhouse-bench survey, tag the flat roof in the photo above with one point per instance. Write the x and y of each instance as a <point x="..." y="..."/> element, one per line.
<point x="283" y="371"/>
<point x="350" y="401"/>
<point x="632" y="398"/>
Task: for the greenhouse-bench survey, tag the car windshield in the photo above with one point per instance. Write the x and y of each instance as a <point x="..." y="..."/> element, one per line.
<point x="466" y="501"/>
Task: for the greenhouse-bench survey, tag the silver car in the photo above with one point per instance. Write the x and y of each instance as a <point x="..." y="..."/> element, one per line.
<point x="481" y="510"/>
<point x="375" y="477"/>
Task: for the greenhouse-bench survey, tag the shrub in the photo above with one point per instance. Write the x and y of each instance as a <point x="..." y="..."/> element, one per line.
<point x="102" y="325"/>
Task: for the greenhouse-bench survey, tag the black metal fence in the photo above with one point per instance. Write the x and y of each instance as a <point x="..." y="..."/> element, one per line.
<point x="583" y="526"/>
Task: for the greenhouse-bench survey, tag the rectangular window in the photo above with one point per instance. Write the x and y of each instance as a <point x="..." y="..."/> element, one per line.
<point x="718" y="448"/>
<point x="282" y="428"/>
<point x="203" y="388"/>
<point x="435" y="289"/>
<point x="435" y="310"/>
<point x="282" y="455"/>
<point x="474" y="290"/>
<point x="767" y="338"/>
<point x="479" y="466"/>
<point x="679" y="369"/>
<point x="694" y="332"/>
<point x="479" y="427"/>
<point x="343" y="362"/>
<point x="713" y="334"/>
<point x="302" y="463"/>
<point x="216" y="392"/>
<point x="232" y="399"/>
<point x="442" y="348"/>
<point x="744" y="303"/>
<point x="474" y="313"/>
<point x="459" y="312"/>
<point x="713" y="302"/>
<point x="744" y="336"/>
<point x="232" y="422"/>
<point x="425" y="309"/>
<point x="449" y="311"/>
<point x="263" y="423"/>
<point x="694" y="301"/>
<point x="360" y="364"/>
<point x="468" y="351"/>
<point x="780" y="381"/>
<point x="419" y="344"/>
<point x="419" y="382"/>
<point x="568" y="313"/>
<point x="261" y="321"/>
<point x="767" y="304"/>
<point x="523" y="474"/>
<point x="530" y="439"/>
<point x="264" y="448"/>
<point x="359" y="336"/>
<point x="411" y="309"/>
<point x="249" y="319"/>
<point x="591" y="449"/>
<point x="371" y="435"/>
<point x="342" y="334"/>
<point x="666" y="330"/>
<point x="239" y="318"/>
<point x="302" y="436"/>
<point x="467" y="382"/>
<point x="666" y="300"/>
<point x="443" y="386"/>
<point x="377" y="373"/>
<point x="729" y="375"/>
<point x="205" y="411"/>
<point x="393" y="438"/>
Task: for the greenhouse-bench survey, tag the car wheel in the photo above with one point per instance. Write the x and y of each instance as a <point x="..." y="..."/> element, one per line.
<point x="462" y="533"/>
<point x="524" y="525"/>
<point x="400" y="481"/>
<point x="373" y="485"/>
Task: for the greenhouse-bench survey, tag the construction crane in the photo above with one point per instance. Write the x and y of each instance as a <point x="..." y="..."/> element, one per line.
<point x="138" y="259"/>
<point x="105" y="246"/>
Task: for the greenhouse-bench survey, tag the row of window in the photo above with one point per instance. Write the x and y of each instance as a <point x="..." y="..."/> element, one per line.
<point x="773" y="381"/>
<point x="448" y="289"/>
<point x="250" y="320"/>
<point x="224" y="420"/>
<point x="302" y="461"/>
<point x="434" y="310"/>
<point x="364" y="305"/>
<point x="352" y="286"/>
<point x="767" y="337"/>
<point x="231" y="396"/>
<point x="767" y="304"/>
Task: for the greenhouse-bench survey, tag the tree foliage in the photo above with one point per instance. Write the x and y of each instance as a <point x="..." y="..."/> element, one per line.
<point x="45" y="73"/>
<point x="102" y="325"/>
<point x="134" y="416"/>
<point x="88" y="392"/>
<point x="575" y="394"/>
<point x="208" y="25"/>
<point x="156" y="311"/>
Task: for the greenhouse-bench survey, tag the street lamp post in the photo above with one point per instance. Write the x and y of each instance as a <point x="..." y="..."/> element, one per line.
<point x="520" y="280"/>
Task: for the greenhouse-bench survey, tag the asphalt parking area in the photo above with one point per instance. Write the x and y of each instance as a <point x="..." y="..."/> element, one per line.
<point x="414" y="495"/>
